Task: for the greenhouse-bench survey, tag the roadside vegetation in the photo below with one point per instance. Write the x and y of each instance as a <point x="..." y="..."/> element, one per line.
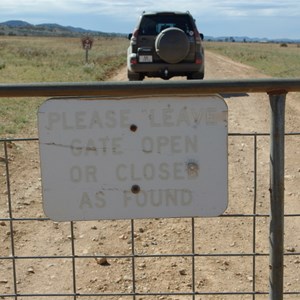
<point x="275" y="60"/>
<point x="42" y="59"/>
<point x="62" y="59"/>
<point x="55" y="59"/>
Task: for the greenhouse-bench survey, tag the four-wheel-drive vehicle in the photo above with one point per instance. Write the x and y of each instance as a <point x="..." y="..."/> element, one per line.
<point x="165" y="44"/>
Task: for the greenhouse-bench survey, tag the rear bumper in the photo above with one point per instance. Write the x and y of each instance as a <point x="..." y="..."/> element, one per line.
<point x="160" y="68"/>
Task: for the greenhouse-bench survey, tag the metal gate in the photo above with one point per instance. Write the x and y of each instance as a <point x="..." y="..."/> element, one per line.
<point x="146" y="260"/>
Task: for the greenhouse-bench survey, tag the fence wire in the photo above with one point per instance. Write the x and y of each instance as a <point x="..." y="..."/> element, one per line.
<point x="191" y="258"/>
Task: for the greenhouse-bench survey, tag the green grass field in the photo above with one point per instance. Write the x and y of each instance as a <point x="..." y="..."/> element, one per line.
<point x="49" y="59"/>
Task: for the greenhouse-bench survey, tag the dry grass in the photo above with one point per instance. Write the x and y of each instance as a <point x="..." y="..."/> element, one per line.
<point x="48" y="59"/>
<point x="44" y="59"/>
<point x="276" y="60"/>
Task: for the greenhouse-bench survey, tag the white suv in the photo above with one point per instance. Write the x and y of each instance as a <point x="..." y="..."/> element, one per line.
<point x="165" y="44"/>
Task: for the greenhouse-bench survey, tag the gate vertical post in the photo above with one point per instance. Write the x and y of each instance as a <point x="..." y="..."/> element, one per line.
<point x="276" y="234"/>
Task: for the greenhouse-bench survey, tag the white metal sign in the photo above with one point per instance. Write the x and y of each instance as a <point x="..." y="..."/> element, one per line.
<point x="127" y="158"/>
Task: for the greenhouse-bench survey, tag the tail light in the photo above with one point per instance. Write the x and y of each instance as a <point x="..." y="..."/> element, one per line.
<point x="198" y="39"/>
<point x="134" y="36"/>
<point x="198" y="61"/>
<point x="133" y="61"/>
<point x="197" y="36"/>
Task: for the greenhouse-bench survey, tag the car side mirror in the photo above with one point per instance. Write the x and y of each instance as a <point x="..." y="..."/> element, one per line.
<point x="129" y="36"/>
<point x="201" y="36"/>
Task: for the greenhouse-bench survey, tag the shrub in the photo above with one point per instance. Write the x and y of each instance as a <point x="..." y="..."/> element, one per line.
<point x="2" y="65"/>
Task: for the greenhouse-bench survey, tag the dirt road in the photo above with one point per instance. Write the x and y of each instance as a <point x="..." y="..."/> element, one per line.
<point x="213" y="237"/>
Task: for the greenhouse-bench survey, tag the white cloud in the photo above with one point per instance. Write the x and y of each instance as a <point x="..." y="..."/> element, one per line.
<point x="124" y="8"/>
<point x="259" y="8"/>
<point x="122" y="14"/>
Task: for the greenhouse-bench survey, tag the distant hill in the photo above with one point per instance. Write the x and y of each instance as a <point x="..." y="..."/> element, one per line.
<point x="22" y="28"/>
<point x="15" y="23"/>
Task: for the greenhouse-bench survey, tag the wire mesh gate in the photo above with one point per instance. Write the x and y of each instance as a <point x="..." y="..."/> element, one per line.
<point x="144" y="259"/>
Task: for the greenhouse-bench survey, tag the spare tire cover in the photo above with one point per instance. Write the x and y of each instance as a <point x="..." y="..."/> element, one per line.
<point x="172" y="45"/>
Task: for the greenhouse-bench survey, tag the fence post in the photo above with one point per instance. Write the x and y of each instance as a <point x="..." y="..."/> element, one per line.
<point x="277" y="103"/>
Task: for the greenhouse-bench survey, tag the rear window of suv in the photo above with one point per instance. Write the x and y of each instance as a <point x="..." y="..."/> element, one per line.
<point x="154" y="24"/>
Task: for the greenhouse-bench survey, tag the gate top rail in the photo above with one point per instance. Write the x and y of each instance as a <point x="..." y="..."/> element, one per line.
<point x="109" y="88"/>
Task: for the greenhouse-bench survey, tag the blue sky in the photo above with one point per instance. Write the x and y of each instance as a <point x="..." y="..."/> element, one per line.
<point x="270" y="18"/>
